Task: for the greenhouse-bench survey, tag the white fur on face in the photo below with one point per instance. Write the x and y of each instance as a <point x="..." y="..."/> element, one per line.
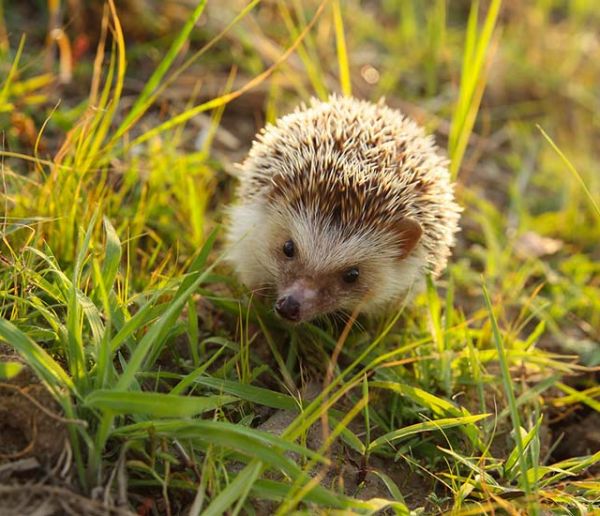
<point x="248" y="249"/>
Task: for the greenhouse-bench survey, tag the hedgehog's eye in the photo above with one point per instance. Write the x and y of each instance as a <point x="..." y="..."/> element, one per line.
<point x="288" y="249"/>
<point x="350" y="275"/>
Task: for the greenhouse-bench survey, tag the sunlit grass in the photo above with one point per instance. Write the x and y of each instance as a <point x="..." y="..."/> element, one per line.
<point x="113" y="291"/>
<point x="472" y="82"/>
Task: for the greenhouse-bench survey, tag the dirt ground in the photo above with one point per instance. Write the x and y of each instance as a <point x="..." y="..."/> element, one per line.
<point x="36" y="463"/>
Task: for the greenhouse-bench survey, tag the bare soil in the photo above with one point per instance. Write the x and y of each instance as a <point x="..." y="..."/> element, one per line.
<point x="36" y="470"/>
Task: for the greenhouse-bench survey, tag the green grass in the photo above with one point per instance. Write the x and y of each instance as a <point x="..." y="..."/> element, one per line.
<point x="114" y="294"/>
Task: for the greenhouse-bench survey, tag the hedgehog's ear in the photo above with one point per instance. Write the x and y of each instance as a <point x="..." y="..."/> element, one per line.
<point x="409" y="232"/>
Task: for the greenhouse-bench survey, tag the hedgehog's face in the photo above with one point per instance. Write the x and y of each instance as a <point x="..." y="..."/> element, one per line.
<point x="306" y="288"/>
<point x="315" y="268"/>
<point x="323" y="268"/>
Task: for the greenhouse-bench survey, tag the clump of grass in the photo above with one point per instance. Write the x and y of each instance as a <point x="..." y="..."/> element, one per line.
<point x="113" y="293"/>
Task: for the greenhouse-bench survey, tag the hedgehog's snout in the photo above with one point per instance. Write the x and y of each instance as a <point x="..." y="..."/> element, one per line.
<point x="288" y="307"/>
<point x="298" y="301"/>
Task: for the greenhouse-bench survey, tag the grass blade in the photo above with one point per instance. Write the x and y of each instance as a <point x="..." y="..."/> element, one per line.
<point x="154" y="404"/>
<point x="196" y="428"/>
<point x="342" y="52"/>
<point x="426" y="426"/>
<point x="112" y="255"/>
<point x="251" y="393"/>
<point x="4" y="105"/>
<point x="145" y="99"/>
<point x="43" y="364"/>
<point x="508" y="390"/>
<point x="472" y="82"/>
<point x="237" y="491"/>
<point x="10" y="369"/>
<point x="573" y="171"/>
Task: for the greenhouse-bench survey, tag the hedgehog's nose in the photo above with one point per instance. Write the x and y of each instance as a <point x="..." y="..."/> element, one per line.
<point x="288" y="307"/>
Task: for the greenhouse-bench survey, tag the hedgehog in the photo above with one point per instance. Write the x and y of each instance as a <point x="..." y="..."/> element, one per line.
<point x="344" y="206"/>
